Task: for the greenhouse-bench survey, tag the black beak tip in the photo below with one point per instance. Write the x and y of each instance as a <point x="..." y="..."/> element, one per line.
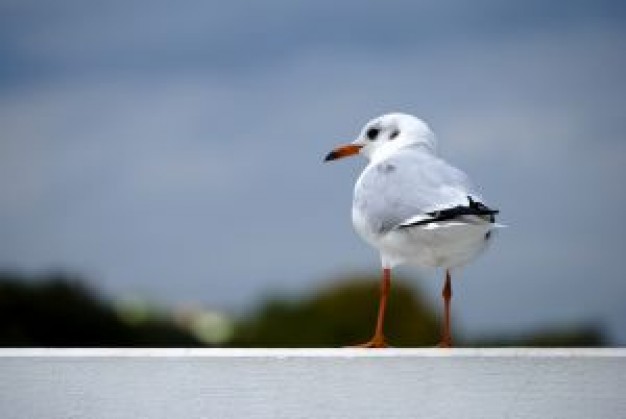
<point x="331" y="156"/>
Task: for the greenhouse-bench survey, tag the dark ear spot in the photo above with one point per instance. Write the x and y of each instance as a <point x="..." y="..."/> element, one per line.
<point x="394" y="134"/>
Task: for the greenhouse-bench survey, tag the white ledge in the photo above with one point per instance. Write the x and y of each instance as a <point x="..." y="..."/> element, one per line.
<point x="312" y="383"/>
<point x="311" y="352"/>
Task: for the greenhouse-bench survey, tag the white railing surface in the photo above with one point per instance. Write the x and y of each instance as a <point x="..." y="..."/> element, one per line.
<point x="312" y="383"/>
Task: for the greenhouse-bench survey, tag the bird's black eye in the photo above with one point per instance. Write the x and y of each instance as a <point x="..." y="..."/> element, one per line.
<point x="394" y="134"/>
<point x="372" y="133"/>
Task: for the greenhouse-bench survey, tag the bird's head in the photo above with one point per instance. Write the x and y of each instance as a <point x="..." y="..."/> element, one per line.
<point x="386" y="134"/>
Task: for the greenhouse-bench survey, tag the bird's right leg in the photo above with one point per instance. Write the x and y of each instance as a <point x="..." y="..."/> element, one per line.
<point x="378" y="340"/>
<point x="446" y="293"/>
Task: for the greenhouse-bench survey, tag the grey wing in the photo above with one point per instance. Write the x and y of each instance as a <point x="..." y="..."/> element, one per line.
<point x="408" y="188"/>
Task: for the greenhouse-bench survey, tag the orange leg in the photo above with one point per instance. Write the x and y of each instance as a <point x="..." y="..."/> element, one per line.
<point x="378" y="340"/>
<point x="446" y="336"/>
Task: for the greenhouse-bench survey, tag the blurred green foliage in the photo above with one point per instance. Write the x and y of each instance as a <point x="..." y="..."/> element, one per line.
<point x="578" y="335"/>
<point x="57" y="310"/>
<point x="340" y="315"/>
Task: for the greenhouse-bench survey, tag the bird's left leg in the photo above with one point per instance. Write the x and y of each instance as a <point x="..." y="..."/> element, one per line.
<point x="378" y="340"/>
<point x="446" y="336"/>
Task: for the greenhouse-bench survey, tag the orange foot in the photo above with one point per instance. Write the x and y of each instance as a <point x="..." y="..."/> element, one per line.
<point x="445" y="343"/>
<point x="375" y="342"/>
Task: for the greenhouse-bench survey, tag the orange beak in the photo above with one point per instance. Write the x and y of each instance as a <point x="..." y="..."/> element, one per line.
<point x="343" y="151"/>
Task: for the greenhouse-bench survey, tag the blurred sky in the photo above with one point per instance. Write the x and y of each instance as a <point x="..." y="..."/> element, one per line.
<point x="174" y="150"/>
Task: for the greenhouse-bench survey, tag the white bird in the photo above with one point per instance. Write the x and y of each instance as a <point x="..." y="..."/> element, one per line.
<point x="414" y="207"/>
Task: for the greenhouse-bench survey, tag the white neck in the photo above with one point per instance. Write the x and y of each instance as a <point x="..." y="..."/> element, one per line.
<point x="382" y="153"/>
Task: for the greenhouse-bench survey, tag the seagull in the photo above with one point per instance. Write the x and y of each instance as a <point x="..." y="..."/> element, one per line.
<point x="414" y="207"/>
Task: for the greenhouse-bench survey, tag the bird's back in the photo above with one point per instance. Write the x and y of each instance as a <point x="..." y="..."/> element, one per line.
<point x="406" y="186"/>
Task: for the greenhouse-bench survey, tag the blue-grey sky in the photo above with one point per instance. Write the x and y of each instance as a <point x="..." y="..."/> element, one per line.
<point x="173" y="150"/>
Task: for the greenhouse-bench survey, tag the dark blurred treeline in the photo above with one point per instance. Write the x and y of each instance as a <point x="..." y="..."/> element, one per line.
<point x="58" y="310"/>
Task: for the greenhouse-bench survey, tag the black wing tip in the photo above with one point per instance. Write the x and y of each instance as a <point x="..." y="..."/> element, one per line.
<point x="480" y="207"/>
<point x="474" y="208"/>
